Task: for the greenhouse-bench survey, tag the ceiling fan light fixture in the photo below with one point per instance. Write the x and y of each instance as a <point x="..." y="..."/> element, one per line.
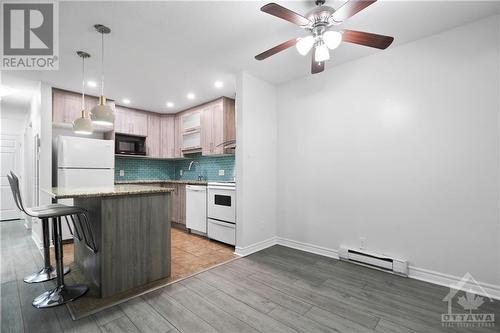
<point x="304" y="44"/>
<point x="332" y="39"/>
<point x="321" y="53"/>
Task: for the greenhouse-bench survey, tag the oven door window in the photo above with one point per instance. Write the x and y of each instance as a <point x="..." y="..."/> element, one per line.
<point x="222" y="200"/>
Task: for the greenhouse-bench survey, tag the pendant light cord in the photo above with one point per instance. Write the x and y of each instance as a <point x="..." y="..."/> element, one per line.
<point x="83" y="84"/>
<point x="102" y="63"/>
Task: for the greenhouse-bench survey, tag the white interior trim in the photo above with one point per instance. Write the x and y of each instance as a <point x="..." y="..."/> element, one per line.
<point x="416" y="273"/>
<point x="246" y="250"/>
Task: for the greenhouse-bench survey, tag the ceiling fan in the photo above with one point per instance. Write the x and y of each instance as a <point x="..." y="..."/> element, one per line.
<point x="318" y="23"/>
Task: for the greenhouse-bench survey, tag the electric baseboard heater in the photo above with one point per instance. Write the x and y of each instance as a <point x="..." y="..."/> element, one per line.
<point x="374" y="260"/>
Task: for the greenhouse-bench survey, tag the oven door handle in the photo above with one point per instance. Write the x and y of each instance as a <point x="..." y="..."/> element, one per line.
<point x="221" y="188"/>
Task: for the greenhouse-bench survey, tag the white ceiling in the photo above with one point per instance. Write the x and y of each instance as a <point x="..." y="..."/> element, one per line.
<point x="160" y="51"/>
<point x="19" y="101"/>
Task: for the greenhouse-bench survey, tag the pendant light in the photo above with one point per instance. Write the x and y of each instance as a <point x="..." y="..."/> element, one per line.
<point x="83" y="125"/>
<point x="102" y="114"/>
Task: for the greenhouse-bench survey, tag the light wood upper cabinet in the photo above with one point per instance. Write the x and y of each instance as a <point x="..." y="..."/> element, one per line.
<point x="131" y="121"/>
<point x="66" y="106"/>
<point x="167" y="136"/>
<point x="153" y="140"/>
<point x="178" y="136"/>
<point x="218" y="126"/>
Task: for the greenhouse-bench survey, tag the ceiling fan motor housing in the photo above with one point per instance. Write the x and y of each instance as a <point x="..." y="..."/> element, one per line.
<point x="321" y="17"/>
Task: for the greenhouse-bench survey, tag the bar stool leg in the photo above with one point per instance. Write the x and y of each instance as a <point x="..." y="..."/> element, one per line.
<point x="48" y="272"/>
<point x="62" y="293"/>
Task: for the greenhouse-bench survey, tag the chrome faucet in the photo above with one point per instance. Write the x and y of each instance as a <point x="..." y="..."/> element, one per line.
<point x="191" y="164"/>
<point x="200" y="177"/>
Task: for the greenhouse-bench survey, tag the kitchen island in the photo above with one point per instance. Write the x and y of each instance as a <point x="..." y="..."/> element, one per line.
<point x="132" y="232"/>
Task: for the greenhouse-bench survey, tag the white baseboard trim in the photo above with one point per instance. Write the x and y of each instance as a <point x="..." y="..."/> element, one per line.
<point x="416" y="273"/>
<point x="246" y="250"/>
<point x="447" y="280"/>
<point x="311" y="248"/>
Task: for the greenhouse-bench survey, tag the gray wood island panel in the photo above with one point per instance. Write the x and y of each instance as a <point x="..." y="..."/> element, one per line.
<point x="132" y="232"/>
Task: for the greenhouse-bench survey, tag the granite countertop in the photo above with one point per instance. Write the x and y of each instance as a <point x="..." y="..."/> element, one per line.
<point x="62" y="193"/>
<point x="163" y="181"/>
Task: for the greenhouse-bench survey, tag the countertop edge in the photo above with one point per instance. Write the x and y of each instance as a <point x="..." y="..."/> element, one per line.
<point x="99" y="193"/>
<point x="162" y="181"/>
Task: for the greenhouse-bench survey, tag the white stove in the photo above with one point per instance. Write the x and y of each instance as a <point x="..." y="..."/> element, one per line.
<point x="221" y="211"/>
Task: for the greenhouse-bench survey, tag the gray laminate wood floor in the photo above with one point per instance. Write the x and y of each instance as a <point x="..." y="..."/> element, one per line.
<point x="275" y="290"/>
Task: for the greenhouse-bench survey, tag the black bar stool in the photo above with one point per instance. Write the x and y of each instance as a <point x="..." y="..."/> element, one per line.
<point x="61" y="293"/>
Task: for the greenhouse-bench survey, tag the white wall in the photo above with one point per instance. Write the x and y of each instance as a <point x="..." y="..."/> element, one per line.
<point x="13" y="119"/>
<point x="402" y="148"/>
<point x="41" y="119"/>
<point x="255" y="163"/>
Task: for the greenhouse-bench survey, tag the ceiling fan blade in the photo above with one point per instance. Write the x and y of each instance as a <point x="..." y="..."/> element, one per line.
<point x="278" y="48"/>
<point x="284" y="13"/>
<point x="317" y="67"/>
<point x="350" y="8"/>
<point x="367" y="39"/>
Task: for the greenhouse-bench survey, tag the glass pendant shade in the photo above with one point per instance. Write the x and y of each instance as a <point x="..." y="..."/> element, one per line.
<point x="83" y="125"/>
<point x="102" y="114"/>
<point x="332" y="39"/>
<point x="321" y="53"/>
<point x="304" y="44"/>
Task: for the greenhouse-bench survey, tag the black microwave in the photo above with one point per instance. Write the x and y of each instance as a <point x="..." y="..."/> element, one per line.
<point x="130" y="144"/>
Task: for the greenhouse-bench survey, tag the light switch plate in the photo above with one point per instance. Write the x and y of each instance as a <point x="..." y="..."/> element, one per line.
<point x="221" y="172"/>
<point x="181" y="172"/>
<point x="122" y="173"/>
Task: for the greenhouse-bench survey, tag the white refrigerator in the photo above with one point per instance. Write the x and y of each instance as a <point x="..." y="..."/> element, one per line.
<point x="83" y="164"/>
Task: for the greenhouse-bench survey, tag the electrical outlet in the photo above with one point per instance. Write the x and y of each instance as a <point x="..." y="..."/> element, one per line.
<point x="221" y="172"/>
<point x="363" y="243"/>
<point x="181" y="172"/>
<point x="122" y="173"/>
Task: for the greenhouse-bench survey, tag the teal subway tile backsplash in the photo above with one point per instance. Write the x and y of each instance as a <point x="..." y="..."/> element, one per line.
<point x="208" y="167"/>
<point x="142" y="168"/>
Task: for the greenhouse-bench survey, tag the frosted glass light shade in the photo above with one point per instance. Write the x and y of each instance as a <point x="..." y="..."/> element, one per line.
<point x="321" y="53"/>
<point x="83" y="125"/>
<point x="304" y="44"/>
<point x="102" y="114"/>
<point x="332" y="39"/>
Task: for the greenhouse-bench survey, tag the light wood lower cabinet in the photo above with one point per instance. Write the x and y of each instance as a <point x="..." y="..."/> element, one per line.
<point x="178" y="208"/>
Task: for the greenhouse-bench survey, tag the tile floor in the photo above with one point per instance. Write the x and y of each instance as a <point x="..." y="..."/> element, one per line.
<point x="190" y="253"/>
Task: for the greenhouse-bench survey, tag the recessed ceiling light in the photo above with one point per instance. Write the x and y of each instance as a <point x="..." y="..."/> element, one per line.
<point x="5" y="91"/>
<point x="170" y="105"/>
<point x="126" y="101"/>
<point x="190" y="96"/>
<point x="218" y="84"/>
<point x="92" y="84"/>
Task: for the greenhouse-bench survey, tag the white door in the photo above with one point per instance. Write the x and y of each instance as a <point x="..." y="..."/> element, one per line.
<point x="9" y="154"/>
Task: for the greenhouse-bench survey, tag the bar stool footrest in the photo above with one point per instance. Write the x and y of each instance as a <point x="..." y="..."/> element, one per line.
<point x="45" y="274"/>
<point x="59" y="295"/>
